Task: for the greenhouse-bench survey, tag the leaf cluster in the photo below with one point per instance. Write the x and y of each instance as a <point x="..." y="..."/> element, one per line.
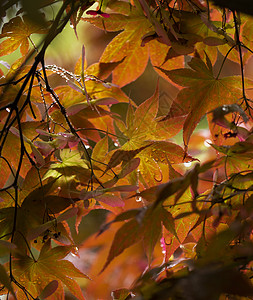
<point x="85" y="171"/>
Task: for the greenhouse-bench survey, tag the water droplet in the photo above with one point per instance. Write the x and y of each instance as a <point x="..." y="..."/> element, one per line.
<point x="138" y="199"/>
<point x="207" y="143"/>
<point x="187" y="164"/>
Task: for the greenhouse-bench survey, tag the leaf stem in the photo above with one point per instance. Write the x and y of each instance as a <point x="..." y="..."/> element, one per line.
<point x="238" y="43"/>
<point x="224" y="59"/>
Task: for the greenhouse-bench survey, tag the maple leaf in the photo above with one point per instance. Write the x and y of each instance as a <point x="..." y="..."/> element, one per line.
<point x="71" y="167"/>
<point x="103" y="162"/>
<point x="144" y="224"/>
<point x="127" y="235"/>
<point x="246" y="24"/>
<point x="36" y="274"/>
<point x="154" y="160"/>
<point x="146" y="132"/>
<point x="143" y="126"/>
<point x="37" y="215"/>
<point x="17" y="31"/>
<point x="194" y="25"/>
<point x="181" y="226"/>
<point x="203" y="92"/>
<point x="126" y="45"/>
<point x="176" y="199"/>
<point x="238" y="157"/>
<point x="159" y="57"/>
<point x="152" y="228"/>
<point x="130" y="45"/>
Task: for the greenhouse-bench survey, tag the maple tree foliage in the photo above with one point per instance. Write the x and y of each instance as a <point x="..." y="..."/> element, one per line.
<point x="165" y="217"/>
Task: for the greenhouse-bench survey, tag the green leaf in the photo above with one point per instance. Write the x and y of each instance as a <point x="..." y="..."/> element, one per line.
<point x="70" y="167"/>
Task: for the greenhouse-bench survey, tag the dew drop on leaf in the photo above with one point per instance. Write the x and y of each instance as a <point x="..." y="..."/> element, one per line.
<point x="187" y="164"/>
<point x="138" y="199"/>
<point x="207" y="143"/>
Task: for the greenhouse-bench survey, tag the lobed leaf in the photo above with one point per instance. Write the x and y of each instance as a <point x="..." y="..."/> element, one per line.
<point x="50" y="266"/>
<point x="203" y="92"/>
<point x="17" y="31"/>
<point x="126" y="45"/>
<point x="126" y="236"/>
